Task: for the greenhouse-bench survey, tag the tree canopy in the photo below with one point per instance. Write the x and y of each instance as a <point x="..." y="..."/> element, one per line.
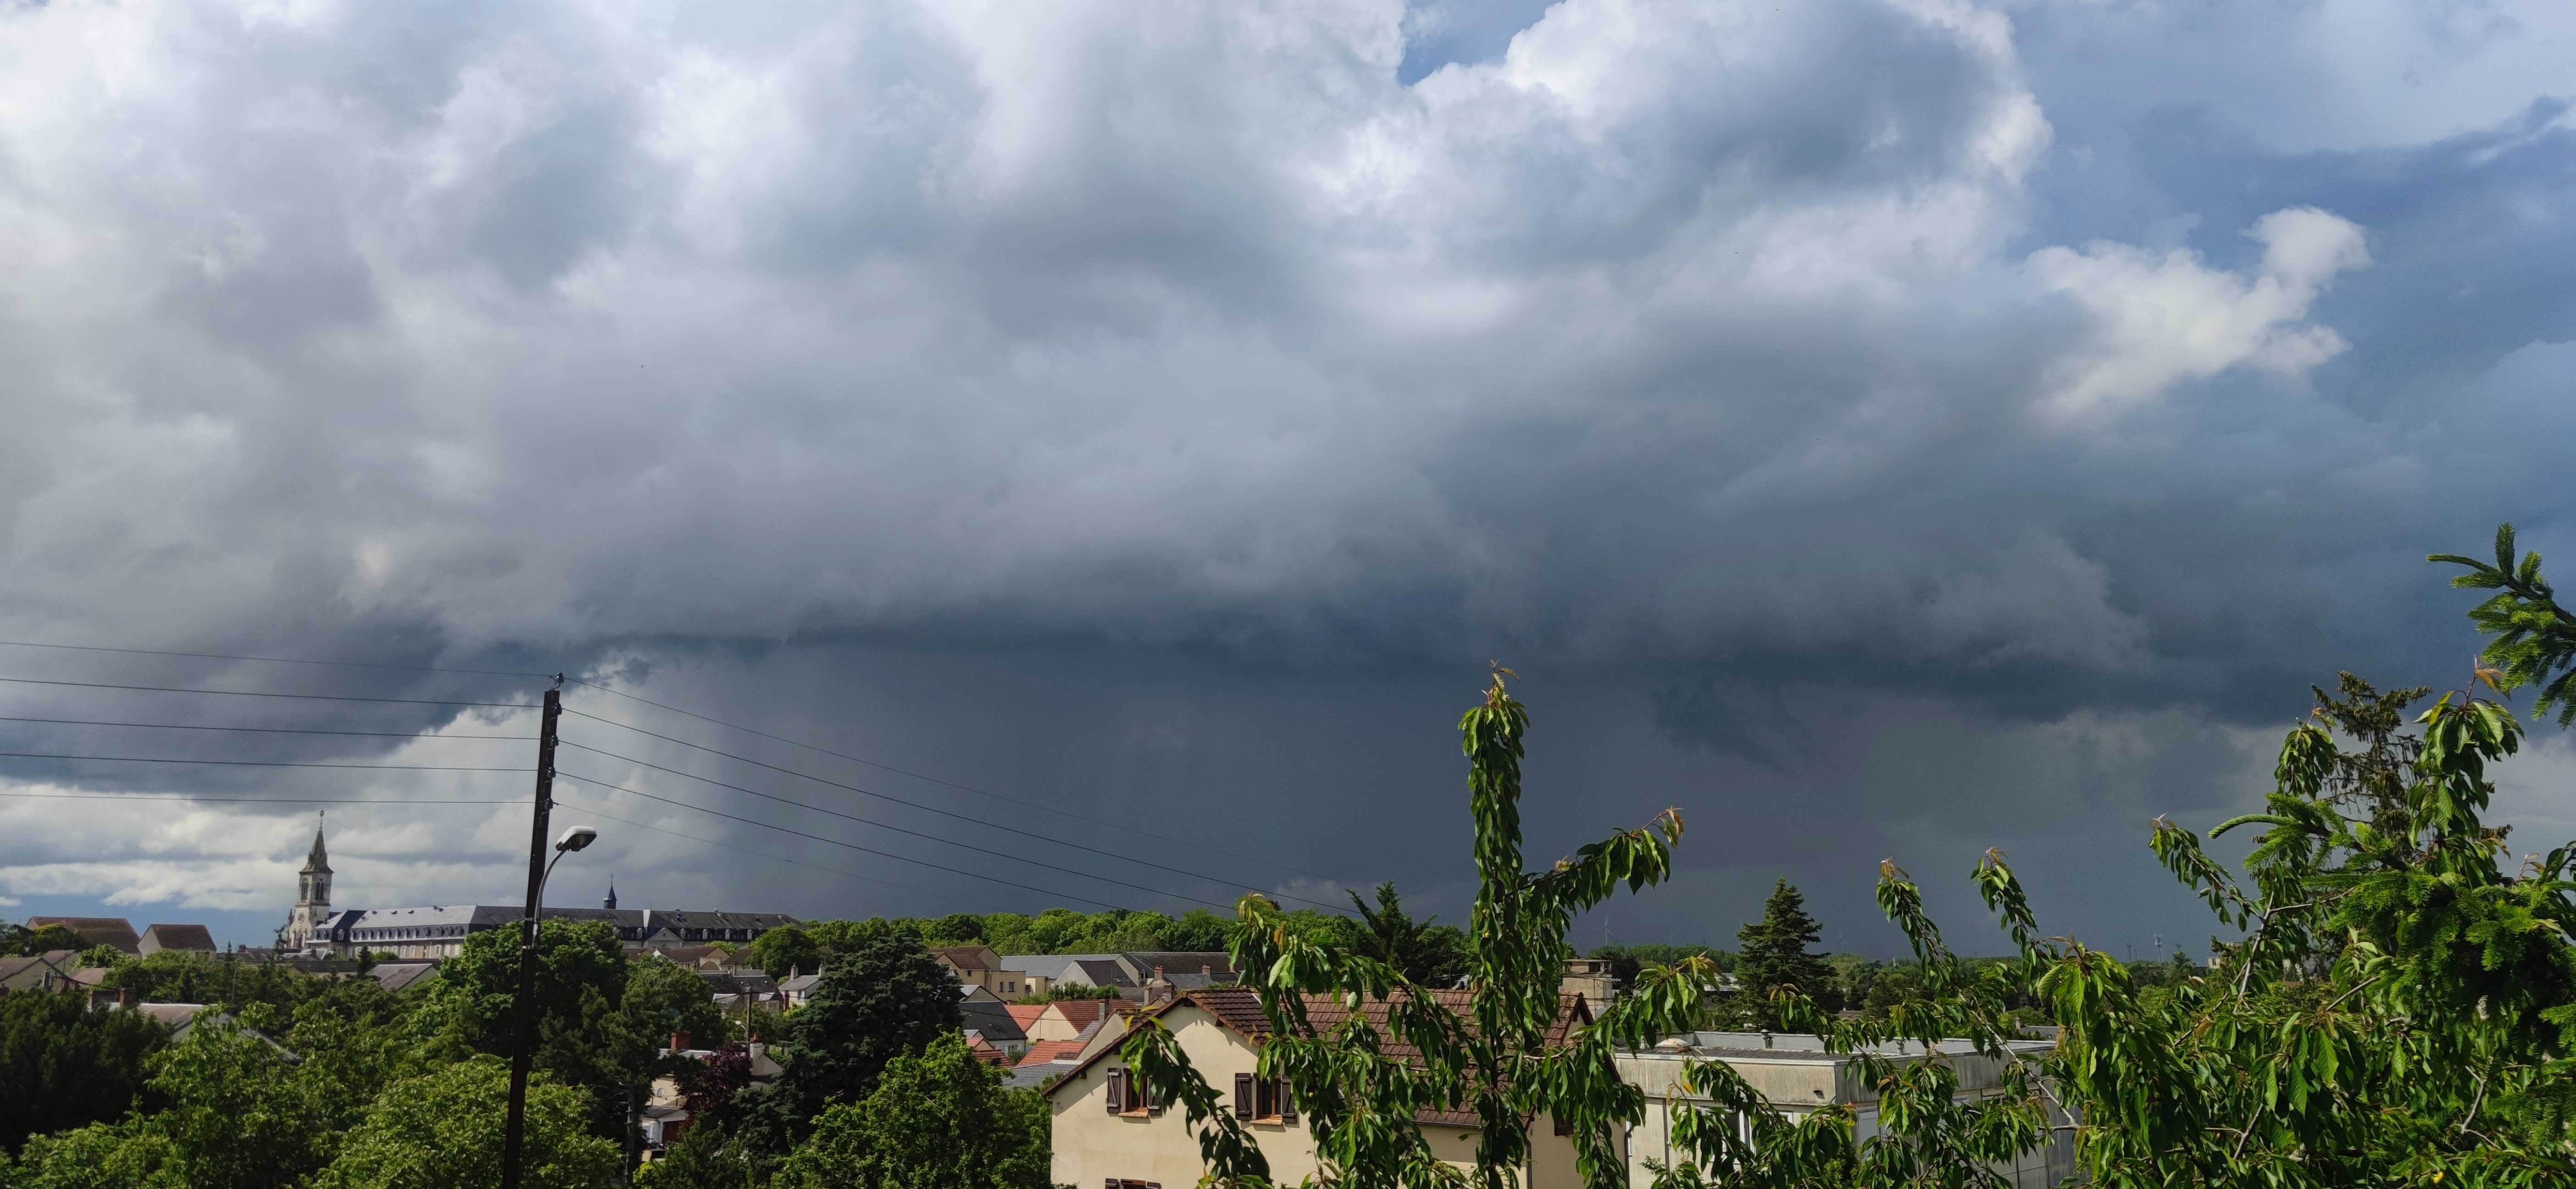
<point x="885" y="998"/>
<point x="936" y="1120"/>
<point x="1775" y="956"/>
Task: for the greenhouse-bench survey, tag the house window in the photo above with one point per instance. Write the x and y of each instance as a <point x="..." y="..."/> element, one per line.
<point x="1263" y="1099"/>
<point x="1131" y="1095"/>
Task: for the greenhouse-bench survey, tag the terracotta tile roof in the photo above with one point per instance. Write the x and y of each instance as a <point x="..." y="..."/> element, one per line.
<point x="1025" y="1014"/>
<point x="1083" y="1013"/>
<point x="1051" y="1050"/>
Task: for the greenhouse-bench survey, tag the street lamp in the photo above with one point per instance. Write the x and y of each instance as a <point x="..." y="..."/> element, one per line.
<point x="524" y="1030"/>
<point x="514" y="1136"/>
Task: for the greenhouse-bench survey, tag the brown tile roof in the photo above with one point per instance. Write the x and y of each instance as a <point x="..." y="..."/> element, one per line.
<point x="968" y="957"/>
<point x="180" y="937"/>
<point x="1083" y="1013"/>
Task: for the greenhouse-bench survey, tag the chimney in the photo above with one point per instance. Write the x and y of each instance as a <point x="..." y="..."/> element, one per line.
<point x="125" y="997"/>
<point x="679" y="1042"/>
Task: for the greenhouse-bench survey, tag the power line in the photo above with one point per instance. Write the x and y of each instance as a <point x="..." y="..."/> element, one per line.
<point x="897" y="829"/>
<point x="912" y="804"/>
<point x="252" y="693"/>
<point x="948" y="783"/>
<point x="281" y="660"/>
<point x="275" y="660"/>
<point x="47" y="755"/>
<point x="192" y="798"/>
<point x="605" y="816"/>
<point x="172" y="726"/>
<point x="833" y="841"/>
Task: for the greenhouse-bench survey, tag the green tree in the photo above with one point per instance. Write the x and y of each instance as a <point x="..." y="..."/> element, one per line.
<point x="957" y="928"/>
<point x="939" y="1120"/>
<point x="883" y="999"/>
<point x="224" y="980"/>
<point x="702" y="1158"/>
<point x="1424" y="953"/>
<point x="442" y="1130"/>
<point x="1363" y="1110"/>
<point x="63" y="1066"/>
<point x="1198" y="931"/>
<point x="2531" y="639"/>
<point x="663" y="997"/>
<point x="581" y="1040"/>
<point x="2399" y="1009"/>
<point x="236" y="1118"/>
<point x="1774" y="955"/>
<point x="130" y="1154"/>
<point x="25" y="942"/>
<point x="786" y="951"/>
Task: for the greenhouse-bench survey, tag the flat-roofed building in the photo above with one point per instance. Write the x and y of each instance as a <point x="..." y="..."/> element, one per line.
<point x="1798" y="1075"/>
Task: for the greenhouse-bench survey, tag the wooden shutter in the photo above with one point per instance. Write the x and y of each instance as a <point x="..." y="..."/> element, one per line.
<point x="1117" y="1091"/>
<point x="1243" y="1096"/>
<point x="1287" y="1105"/>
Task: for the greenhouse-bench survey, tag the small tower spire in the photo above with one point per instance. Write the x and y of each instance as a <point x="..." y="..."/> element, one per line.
<point x="611" y="902"/>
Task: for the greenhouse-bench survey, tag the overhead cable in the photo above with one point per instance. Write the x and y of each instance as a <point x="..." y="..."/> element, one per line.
<point x="48" y="755"/>
<point x="274" y="660"/>
<point x="632" y="792"/>
<point x="252" y="693"/>
<point x="282" y="660"/>
<point x="173" y="726"/>
<point x="1043" y="808"/>
<point x="193" y="798"/>
<point x="900" y="887"/>
<point x="884" y="826"/>
<point x="900" y="801"/>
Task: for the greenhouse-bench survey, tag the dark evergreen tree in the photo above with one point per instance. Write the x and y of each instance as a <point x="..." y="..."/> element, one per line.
<point x="1431" y="955"/>
<point x="884" y="998"/>
<point x="62" y="1065"/>
<point x="1775" y="954"/>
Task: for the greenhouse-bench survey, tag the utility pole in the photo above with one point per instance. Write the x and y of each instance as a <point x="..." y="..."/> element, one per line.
<point x="523" y="1032"/>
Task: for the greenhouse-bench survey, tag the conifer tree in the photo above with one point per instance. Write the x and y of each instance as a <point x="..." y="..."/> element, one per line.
<point x="1775" y="955"/>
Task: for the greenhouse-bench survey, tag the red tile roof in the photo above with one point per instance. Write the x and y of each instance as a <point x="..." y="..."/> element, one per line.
<point x="1051" y="1050"/>
<point x="1025" y="1014"/>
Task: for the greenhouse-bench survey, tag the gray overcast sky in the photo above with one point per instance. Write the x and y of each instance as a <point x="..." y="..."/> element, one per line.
<point x="1877" y="428"/>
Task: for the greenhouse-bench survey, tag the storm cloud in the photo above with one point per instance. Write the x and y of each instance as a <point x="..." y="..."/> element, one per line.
<point x="1876" y="427"/>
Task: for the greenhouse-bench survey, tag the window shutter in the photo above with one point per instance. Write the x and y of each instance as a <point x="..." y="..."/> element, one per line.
<point x="1243" y="1096"/>
<point x="1287" y="1105"/>
<point x="1117" y="1091"/>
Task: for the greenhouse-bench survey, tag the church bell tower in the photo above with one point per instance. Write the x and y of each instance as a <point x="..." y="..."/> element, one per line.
<point x="312" y="899"/>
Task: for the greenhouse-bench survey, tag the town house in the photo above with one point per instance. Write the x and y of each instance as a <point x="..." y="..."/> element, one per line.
<point x="1108" y="1133"/>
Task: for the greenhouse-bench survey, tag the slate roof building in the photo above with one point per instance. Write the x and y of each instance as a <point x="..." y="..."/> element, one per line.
<point x="439" y="930"/>
<point x="39" y="972"/>
<point x="1798" y="1076"/>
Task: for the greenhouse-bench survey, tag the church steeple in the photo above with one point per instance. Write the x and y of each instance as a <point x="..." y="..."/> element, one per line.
<point x="611" y="902"/>
<point x="312" y="896"/>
